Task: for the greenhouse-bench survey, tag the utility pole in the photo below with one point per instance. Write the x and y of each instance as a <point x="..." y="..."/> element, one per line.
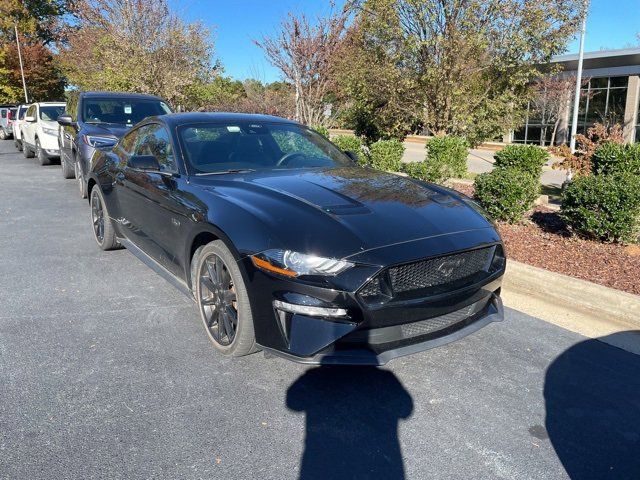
<point x="576" y="100"/>
<point x="24" y="83"/>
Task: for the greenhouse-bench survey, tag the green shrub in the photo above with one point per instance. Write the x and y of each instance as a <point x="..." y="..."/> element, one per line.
<point x="324" y="131"/>
<point x="606" y="207"/>
<point x="526" y="158"/>
<point x="350" y="143"/>
<point x="387" y="155"/>
<point x="506" y="193"/>
<point x="446" y="158"/>
<point x="427" y="171"/>
<point x="612" y="157"/>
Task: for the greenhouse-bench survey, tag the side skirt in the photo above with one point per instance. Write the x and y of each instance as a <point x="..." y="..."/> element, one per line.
<point x="156" y="267"/>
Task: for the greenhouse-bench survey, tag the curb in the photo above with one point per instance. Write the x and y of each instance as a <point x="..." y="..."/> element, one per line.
<point x="577" y="305"/>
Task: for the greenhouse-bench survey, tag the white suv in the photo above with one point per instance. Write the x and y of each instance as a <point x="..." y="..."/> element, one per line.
<point x="40" y="131"/>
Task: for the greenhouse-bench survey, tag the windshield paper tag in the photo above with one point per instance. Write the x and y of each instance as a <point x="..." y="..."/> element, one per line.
<point x="127" y="109"/>
<point x="233" y="129"/>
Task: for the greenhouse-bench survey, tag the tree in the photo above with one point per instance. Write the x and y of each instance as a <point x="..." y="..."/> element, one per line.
<point x="38" y="20"/>
<point x="137" y="46"/>
<point x="44" y="79"/>
<point x="470" y="61"/>
<point x="550" y="98"/>
<point x="304" y="52"/>
<point x="377" y="100"/>
<point x="252" y="96"/>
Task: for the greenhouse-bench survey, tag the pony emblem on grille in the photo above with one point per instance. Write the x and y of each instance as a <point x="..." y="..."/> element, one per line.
<point x="447" y="267"/>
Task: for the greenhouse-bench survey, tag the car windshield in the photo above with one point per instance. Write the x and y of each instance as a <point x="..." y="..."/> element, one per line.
<point x="218" y="148"/>
<point x="121" y="111"/>
<point x="50" y="113"/>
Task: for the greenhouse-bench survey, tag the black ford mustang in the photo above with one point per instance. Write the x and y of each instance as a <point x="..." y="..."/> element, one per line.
<point x="288" y="246"/>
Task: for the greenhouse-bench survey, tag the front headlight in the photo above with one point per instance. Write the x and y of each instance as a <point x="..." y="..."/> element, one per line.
<point x="293" y="264"/>
<point x="99" y="141"/>
<point x="50" y="131"/>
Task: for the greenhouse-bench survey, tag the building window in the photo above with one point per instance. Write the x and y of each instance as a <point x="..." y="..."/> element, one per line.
<point x="603" y="101"/>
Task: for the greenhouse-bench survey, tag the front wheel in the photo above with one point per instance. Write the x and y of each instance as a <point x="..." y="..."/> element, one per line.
<point x="223" y="301"/>
<point x="42" y="156"/>
<point x="3" y="134"/>
<point x="103" y="230"/>
<point x="67" y="171"/>
<point x="26" y="151"/>
<point x="18" y="145"/>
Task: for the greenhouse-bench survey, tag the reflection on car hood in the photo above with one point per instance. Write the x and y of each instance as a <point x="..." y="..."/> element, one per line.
<point x="350" y="209"/>
<point x="105" y="129"/>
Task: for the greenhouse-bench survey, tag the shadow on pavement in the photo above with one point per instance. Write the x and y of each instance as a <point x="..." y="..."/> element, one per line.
<point x="352" y="416"/>
<point x="592" y="395"/>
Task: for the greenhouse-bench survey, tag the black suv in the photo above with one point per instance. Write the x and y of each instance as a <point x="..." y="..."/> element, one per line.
<point x="99" y="119"/>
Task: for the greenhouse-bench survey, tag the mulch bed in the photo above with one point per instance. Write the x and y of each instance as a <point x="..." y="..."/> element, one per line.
<point x="542" y="240"/>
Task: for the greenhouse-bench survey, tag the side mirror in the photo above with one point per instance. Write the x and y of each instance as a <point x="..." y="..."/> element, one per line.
<point x="352" y="155"/>
<point x="65" y="120"/>
<point x="144" y="162"/>
<point x="30" y="118"/>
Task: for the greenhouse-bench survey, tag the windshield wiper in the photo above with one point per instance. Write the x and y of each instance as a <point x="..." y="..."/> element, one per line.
<point x="223" y="172"/>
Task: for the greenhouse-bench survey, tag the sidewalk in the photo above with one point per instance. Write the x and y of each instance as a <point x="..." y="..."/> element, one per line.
<point x="481" y="160"/>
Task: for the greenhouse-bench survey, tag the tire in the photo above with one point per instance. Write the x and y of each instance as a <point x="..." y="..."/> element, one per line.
<point x="18" y="145"/>
<point x="229" y="296"/>
<point x="26" y="151"/>
<point x="101" y="225"/>
<point x="82" y="185"/>
<point x="67" y="171"/>
<point x="3" y="134"/>
<point x="40" y="153"/>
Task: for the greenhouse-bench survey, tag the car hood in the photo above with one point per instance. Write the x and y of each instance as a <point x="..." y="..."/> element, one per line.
<point x="345" y="211"/>
<point x="106" y="129"/>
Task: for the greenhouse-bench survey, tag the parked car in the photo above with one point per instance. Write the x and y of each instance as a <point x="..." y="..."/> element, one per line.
<point x="40" y="131"/>
<point x="289" y="246"/>
<point x="17" y="126"/>
<point x="99" y="119"/>
<point x="7" y="115"/>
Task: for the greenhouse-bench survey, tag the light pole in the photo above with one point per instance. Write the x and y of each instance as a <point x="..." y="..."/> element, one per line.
<point x="576" y="100"/>
<point x="24" y="84"/>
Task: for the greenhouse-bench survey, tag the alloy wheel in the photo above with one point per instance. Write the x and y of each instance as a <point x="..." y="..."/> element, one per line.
<point x="218" y="301"/>
<point x="97" y="217"/>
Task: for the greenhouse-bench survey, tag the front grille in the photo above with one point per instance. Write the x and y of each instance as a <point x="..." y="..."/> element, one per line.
<point x="430" y="275"/>
<point x="438" y="271"/>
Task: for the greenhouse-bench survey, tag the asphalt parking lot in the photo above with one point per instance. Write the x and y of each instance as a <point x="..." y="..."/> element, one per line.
<point x="105" y="372"/>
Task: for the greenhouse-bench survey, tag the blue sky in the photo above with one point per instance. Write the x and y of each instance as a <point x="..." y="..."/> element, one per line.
<point x="611" y="24"/>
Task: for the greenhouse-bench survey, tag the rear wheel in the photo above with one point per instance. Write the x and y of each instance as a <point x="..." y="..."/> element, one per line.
<point x="67" y="171"/>
<point x="3" y="134"/>
<point x="103" y="230"/>
<point x="223" y="301"/>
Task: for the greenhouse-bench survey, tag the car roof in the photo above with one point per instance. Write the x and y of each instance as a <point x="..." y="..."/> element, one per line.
<point x="176" y="119"/>
<point x="102" y="94"/>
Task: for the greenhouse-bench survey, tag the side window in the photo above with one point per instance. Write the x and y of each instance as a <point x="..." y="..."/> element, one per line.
<point x="32" y="111"/>
<point x="155" y="141"/>
<point x="4" y="113"/>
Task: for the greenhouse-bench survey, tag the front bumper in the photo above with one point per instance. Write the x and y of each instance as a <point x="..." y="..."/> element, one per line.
<point x="377" y="346"/>
<point x="370" y="334"/>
